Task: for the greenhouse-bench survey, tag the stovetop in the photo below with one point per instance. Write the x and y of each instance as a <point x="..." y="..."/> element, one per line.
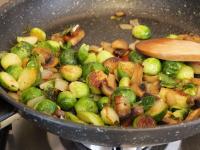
<point x="27" y="136"/>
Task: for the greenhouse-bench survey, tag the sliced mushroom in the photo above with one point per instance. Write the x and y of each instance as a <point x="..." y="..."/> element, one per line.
<point x="120" y="44"/>
<point x="107" y="46"/>
<point x="111" y="63"/>
<point x="109" y="85"/>
<point x="153" y="88"/>
<point x="57" y="37"/>
<point x="150" y="79"/>
<point x="136" y="88"/>
<point x="137" y="74"/>
<point x="193" y="115"/>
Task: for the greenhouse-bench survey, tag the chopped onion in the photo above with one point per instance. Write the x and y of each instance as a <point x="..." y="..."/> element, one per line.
<point x="46" y="74"/>
<point x="120" y="14"/>
<point x="61" y="84"/>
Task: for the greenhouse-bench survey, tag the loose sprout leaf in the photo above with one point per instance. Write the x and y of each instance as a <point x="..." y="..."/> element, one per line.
<point x="147" y="102"/>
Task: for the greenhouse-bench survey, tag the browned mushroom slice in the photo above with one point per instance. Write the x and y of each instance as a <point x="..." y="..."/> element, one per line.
<point x="189" y="37"/>
<point x="107" y="46"/>
<point x="111" y="63"/>
<point x="109" y="85"/>
<point x="120" y="46"/>
<point x="52" y="62"/>
<point x="136" y="88"/>
<point x="153" y="88"/>
<point x="137" y="74"/>
<point x="122" y="106"/>
<point x="150" y="79"/>
<point x="195" y="114"/>
<point x="57" y="37"/>
<point x="196" y="81"/>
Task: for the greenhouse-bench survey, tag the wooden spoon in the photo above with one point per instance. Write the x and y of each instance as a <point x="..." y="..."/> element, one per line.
<point x="170" y="49"/>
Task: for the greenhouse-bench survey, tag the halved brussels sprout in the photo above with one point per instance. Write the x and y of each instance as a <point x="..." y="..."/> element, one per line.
<point x="141" y="32"/>
<point x="31" y="103"/>
<point x="29" y="39"/>
<point x="90" y="67"/>
<point x="90" y="117"/>
<point x="66" y="100"/>
<point x="79" y="89"/>
<point x="125" y="69"/>
<point x="124" y="82"/>
<point x="95" y="80"/>
<point x="109" y="116"/>
<point x="152" y="66"/>
<point x="147" y="102"/>
<point x="15" y="71"/>
<point x="73" y="118"/>
<point x="86" y="104"/>
<point x="103" y="55"/>
<point x="34" y="62"/>
<point x="68" y="57"/>
<point x="39" y="33"/>
<point x="22" y="49"/>
<point x="71" y="72"/>
<point x="10" y="59"/>
<point x="27" y="78"/>
<point x="171" y="68"/>
<point x="55" y="46"/>
<point x="186" y="72"/>
<point x="8" y="82"/>
<point x="158" y="110"/>
<point x="144" y="121"/>
<point x="46" y="106"/>
<point x="83" y="52"/>
<point x="29" y="94"/>
<point x="102" y="102"/>
<point x="91" y="58"/>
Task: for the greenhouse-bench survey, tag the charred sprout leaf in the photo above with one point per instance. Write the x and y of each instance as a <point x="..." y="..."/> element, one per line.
<point x="86" y="104"/>
<point x="90" y="117"/>
<point x="29" y="94"/>
<point x="73" y="118"/>
<point x="46" y="106"/>
<point x="10" y="59"/>
<point x="147" y="102"/>
<point x="144" y="121"/>
<point x="68" y="57"/>
<point x="109" y="116"/>
<point x="8" y="82"/>
<point x="167" y="81"/>
<point x="22" y="49"/>
<point x="66" y="100"/>
<point x="83" y="52"/>
<point x="15" y="71"/>
<point x="136" y="57"/>
<point x="171" y="68"/>
<point x="190" y="89"/>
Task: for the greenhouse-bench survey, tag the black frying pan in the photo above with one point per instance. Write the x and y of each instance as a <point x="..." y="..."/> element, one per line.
<point x="164" y="17"/>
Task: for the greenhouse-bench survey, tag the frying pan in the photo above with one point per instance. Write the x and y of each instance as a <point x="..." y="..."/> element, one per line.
<point x="164" y="17"/>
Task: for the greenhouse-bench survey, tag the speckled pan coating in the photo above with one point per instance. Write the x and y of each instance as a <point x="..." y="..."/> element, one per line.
<point x="164" y="16"/>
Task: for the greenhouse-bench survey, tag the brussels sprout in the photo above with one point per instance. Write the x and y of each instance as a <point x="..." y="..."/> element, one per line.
<point x="167" y="81"/>
<point x="147" y="102"/>
<point x="79" y="89"/>
<point x="152" y="66"/>
<point x="10" y="59"/>
<point x="142" y="32"/>
<point x="90" y="67"/>
<point x="172" y="36"/>
<point x="90" y="117"/>
<point x="124" y="82"/>
<point x="125" y="69"/>
<point x="31" y="103"/>
<point x="27" y="78"/>
<point x="190" y="89"/>
<point x="68" y="57"/>
<point x="14" y="71"/>
<point x="186" y="72"/>
<point x="83" y="52"/>
<point x="136" y="57"/>
<point x="95" y="80"/>
<point x="180" y="114"/>
<point x="8" y="82"/>
<point x="109" y="116"/>
<point x="171" y="68"/>
<point x="30" y="93"/>
<point x="46" y="106"/>
<point x="86" y="104"/>
<point x="144" y="121"/>
<point x="22" y="49"/>
<point x="125" y="93"/>
<point x="39" y="33"/>
<point x="91" y="58"/>
<point x="103" y="55"/>
<point x="158" y="110"/>
<point x="34" y="62"/>
<point x="102" y="102"/>
<point x="73" y="118"/>
<point x="66" y="46"/>
<point x="66" y="100"/>
<point x="71" y="72"/>
<point x="55" y="46"/>
<point x="29" y="39"/>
